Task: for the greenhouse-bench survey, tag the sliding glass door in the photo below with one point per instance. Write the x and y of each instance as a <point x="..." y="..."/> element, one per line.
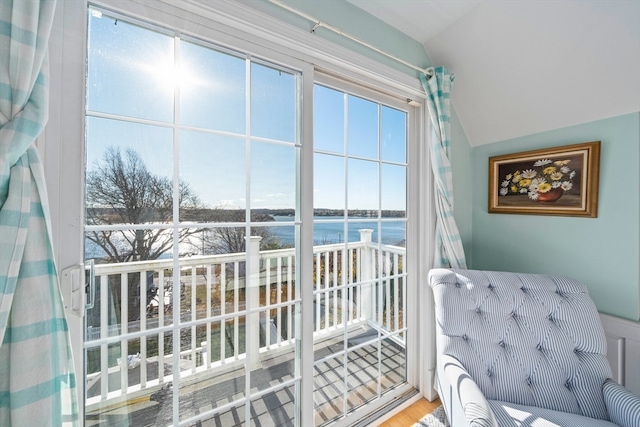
<point x="208" y="171"/>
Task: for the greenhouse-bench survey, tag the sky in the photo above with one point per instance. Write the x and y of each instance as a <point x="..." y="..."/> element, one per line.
<point x="216" y="144"/>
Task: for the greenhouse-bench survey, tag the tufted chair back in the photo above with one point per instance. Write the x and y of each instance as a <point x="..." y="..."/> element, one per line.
<point x="528" y="339"/>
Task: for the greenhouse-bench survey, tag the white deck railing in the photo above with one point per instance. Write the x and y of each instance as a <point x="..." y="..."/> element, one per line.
<point x="211" y="298"/>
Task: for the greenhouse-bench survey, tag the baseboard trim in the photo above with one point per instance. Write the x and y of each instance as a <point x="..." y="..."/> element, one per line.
<point x="623" y="350"/>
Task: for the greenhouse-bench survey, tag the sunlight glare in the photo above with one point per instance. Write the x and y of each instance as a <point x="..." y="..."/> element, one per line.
<point x="169" y="76"/>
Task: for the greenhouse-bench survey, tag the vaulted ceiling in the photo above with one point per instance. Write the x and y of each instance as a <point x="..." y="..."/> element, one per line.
<point x="523" y="67"/>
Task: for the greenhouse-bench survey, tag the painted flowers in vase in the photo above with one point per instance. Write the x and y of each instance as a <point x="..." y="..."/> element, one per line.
<point x="545" y="182"/>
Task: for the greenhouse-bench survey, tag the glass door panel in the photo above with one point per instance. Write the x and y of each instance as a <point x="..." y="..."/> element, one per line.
<point x="360" y="184"/>
<point x="191" y="221"/>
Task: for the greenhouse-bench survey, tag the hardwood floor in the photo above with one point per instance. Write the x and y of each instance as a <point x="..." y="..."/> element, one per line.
<point x="411" y="415"/>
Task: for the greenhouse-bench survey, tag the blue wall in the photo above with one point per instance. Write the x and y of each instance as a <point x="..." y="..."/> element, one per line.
<point x="462" y="190"/>
<point x="602" y="252"/>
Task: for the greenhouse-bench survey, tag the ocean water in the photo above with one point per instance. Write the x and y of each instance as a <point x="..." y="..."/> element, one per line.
<point x="326" y="230"/>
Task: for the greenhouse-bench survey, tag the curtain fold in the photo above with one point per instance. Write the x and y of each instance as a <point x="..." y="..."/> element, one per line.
<point x="448" y="245"/>
<point x="37" y="382"/>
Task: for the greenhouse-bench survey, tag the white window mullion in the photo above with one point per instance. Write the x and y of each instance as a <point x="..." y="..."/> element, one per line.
<point x="176" y="288"/>
<point x="249" y="327"/>
<point x="304" y="357"/>
<point x="345" y="252"/>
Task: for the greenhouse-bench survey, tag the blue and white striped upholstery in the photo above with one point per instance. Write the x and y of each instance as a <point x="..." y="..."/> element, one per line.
<point x="527" y="343"/>
<point x="512" y="415"/>
<point x="623" y="406"/>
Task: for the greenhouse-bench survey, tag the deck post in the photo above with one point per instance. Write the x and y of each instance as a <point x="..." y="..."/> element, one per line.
<point x="252" y="327"/>
<point x="366" y="275"/>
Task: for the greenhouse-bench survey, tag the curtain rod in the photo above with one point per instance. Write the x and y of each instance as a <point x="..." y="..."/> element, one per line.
<point x="319" y="23"/>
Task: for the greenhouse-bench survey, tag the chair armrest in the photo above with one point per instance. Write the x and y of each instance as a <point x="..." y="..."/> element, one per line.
<point x="475" y="406"/>
<point x="623" y="406"/>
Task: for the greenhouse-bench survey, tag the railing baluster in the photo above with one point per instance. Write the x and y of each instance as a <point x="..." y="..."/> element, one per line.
<point x="160" y="325"/>
<point x="207" y="359"/>
<point x="396" y="292"/>
<point x="388" y="281"/>
<point x="194" y="309"/>
<point x="143" y="327"/>
<point x="404" y="300"/>
<point x="347" y="268"/>
<point x="104" y="333"/>
<point x="290" y="307"/>
<point x="325" y="293"/>
<point x="124" y="323"/>
<point x="378" y="298"/>
<point x="337" y="320"/>
<point x="236" y="291"/>
<point x="223" y="311"/>
<point x="267" y="302"/>
<point x="279" y="299"/>
<point x="356" y="267"/>
<point x="317" y="287"/>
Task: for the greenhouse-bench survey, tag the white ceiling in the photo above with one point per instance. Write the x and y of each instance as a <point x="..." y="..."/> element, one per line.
<point x="526" y="66"/>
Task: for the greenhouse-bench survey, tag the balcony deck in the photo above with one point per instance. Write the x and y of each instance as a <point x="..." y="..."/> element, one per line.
<point x="154" y="407"/>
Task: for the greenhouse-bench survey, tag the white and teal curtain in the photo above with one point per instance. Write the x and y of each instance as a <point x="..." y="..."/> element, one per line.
<point x="37" y="382"/>
<point x="448" y="246"/>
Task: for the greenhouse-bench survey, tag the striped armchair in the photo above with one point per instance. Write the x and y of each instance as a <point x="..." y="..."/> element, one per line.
<point x="523" y="350"/>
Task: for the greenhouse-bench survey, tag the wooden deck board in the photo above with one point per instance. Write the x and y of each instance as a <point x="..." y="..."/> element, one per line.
<point x="275" y="408"/>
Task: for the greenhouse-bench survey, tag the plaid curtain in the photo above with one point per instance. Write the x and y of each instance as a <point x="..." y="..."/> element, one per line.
<point x="37" y="382"/>
<point x="449" y="250"/>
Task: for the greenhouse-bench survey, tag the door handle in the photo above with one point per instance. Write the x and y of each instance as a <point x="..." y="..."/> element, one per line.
<point x="72" y="286"/>
<point x="92" y="285"/>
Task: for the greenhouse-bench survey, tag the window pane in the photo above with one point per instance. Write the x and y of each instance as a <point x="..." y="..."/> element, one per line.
<point x="328" y="119"/>
<point x="394" y="135"/>
<point x="213" y="168"/>
<point x="212" y="89"/>
<point x="273" y="176"/>
<point x="363" y="128"/>
<point x="125" y="59"/>
<point x="275" y="408"/>
<point x="394" y="189"/>
<point x="363" y="187"/>
<point x="393" y="366"/>
<point x="328" y="183"/>
<point x="273" y="103"/>
<point x="129" y="171"/>
<point x="394" y="233"/>
<point x="363" y="375"/>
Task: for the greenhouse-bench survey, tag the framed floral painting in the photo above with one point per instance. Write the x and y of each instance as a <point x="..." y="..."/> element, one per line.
<point x="552" y="181"/>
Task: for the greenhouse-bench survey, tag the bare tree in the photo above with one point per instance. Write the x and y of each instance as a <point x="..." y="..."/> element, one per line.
<point x="121" y="190"/>
<point x="224" y="240"/>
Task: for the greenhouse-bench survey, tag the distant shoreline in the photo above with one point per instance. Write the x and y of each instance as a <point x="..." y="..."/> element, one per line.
<point x="332" y="212"/>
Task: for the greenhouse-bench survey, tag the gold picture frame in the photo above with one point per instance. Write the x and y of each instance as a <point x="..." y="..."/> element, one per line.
<point x="552" y="181"/>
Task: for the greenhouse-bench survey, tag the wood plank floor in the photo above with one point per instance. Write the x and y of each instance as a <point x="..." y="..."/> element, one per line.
<point x="411" y="415"/>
